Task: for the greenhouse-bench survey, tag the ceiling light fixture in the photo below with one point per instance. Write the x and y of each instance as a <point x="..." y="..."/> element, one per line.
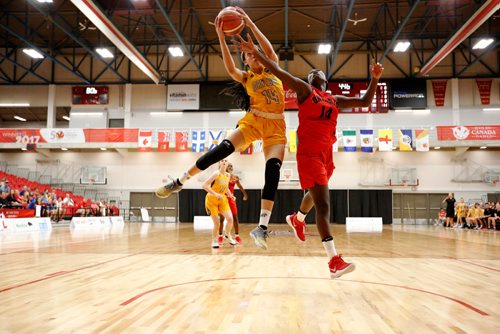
<point x="483" y="43"/>
<point x="175" y="51"/>
<point x="33" y="53"/>
<point x="19" y="118"/>
<point x="66" y="118"/>
<point x="324" y="49"/>
<point x="402" y="46"/>
<point x="14" y="104"/>
<point x="105" y="53"/>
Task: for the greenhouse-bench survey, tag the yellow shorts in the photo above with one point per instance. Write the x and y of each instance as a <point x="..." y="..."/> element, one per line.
<point x="214" y="206"/>
<point x="271" y="131"/>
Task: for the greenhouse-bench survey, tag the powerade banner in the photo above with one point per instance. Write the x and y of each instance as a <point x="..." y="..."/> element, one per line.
<point x="408" y="94"/>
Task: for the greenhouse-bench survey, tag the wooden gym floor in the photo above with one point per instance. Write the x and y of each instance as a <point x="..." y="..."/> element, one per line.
<point x="154" y="278"/>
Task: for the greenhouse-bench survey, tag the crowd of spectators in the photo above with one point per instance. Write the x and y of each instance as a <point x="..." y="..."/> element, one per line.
<point x="474" y="215"/>
<point x="20" y="193"/>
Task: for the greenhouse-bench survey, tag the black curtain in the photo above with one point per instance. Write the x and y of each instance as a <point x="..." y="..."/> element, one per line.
<point x="371" y="203"/>
<point x="362" y="203"/>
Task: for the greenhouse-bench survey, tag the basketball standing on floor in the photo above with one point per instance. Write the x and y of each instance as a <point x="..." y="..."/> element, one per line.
<point x="216" y="202"/>
<point x="264" y="98"/>
<point x="318" y="113"/>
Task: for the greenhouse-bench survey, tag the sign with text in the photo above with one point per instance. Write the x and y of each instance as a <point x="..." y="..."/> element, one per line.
<point x="183" y="97"/>
<point x="25" y="224"/>
<point x="68" y="136"/>
<point x="380" y="103"/>
<point x="408" y="94"/>
<point x="484" y="87"/>
<point x="469" y="132"/>
<point x="439" y="90"/>
<point x="90" y="95"/>
<point x="290" y="99"/>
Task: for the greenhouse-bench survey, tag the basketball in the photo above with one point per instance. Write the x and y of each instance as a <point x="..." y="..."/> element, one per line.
<point x="232" y="22"/>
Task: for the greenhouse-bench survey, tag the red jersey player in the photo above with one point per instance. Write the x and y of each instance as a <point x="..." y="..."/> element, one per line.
<point x="318" y="113"/>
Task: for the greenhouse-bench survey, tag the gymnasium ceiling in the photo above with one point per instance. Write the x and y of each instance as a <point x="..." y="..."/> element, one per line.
<point x="67" y="35"/>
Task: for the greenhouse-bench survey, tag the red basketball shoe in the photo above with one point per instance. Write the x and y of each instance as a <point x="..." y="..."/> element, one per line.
<point x="299" y="228"/>
<point x="220" y="239"/>
<point x="339" y="267"/>
<point x="238" y="239"/>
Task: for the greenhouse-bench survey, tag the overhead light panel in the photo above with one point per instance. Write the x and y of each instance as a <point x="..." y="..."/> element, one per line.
<point x="33" y="53"/>
<point x="66" y="118"/>
<point x="165" y="113"/>
<point x="491" y="109"/>
<point x="76" y="113"/>
<point x="64" y="149"/>
<point x="437" y="147"/>
<point x="483" y="43"/>
<point x="105" y="53"/>
<point x="402" y="46"/>
<point x="324" y="49"/>
<point x="45" y="1"/>
<point x="175" y="51"/>
<point x="19" y="118"/>
<point x="104" y="149"/>
<point x="14" y="104"/>
<point x="483" y="147"/>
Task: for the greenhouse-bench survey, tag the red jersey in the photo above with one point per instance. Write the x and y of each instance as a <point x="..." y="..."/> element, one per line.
<point x="232" y="183"/>
<point x="317" y="122"/>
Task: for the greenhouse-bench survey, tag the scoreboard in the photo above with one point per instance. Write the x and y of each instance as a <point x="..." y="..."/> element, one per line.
<point x="90" y="95"/>
<point x="380" y="103"/>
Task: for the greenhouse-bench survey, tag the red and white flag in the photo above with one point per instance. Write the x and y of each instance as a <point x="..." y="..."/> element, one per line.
<point x="181" y="141"/>
<point x="163" y="141"/>
<point x="144" y="140"/>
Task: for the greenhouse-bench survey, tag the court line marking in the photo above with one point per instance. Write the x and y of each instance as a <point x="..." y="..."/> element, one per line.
<point x="140" y="295"/>
<point x="479" y="265"/>
<point x="65" y="272"/>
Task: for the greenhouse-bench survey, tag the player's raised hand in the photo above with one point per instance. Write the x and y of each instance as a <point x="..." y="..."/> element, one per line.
<point x="376" y="69"/>
<point x="244" y="15"/>
<point x="244" y="46"/>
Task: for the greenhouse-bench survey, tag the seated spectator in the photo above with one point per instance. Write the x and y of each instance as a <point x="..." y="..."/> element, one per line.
<point x="488" y="213"/>
<point x="68" y="201"/>
<point x="24" y="190"/>
<point x="4" y="186"/>
<point x="32" y="203"/>
<point x="3" y="200"/>
<point x="441" y="217"/>
<point x="11" y="199"/>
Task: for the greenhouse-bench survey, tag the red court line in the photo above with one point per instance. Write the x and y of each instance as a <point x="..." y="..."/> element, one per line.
<point x="62" y="273"/>
<point x="131" y="300"/>
<point x="479" y="265"/>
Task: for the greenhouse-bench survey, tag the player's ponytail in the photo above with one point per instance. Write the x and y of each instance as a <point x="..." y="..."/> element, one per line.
<point x="239" y="94"/>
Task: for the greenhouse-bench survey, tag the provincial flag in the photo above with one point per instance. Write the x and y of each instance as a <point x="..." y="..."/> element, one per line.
<point x="422" y="140"/>
<point x="163" y="140"/>
<point x="144" y="140"/>
<point x="198" y="140"/>
<point x="214" y="139"/>
<point x="405" y="139"/>
<point x="385" y="140"/>
<point x="366" y="138"/>
<point x="247" y="150"/>
<point x="293" y="140"/>
<point x="181" y="141"/>
<point x="349" y="140"/>
<point x="258" y="146"/>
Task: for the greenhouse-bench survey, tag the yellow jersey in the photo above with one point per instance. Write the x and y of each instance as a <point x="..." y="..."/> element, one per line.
<point x="220" y="184"/>
<point x="265" y="90"/>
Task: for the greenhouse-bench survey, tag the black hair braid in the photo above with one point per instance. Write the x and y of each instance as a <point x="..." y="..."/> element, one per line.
<point x="239" y="94"/>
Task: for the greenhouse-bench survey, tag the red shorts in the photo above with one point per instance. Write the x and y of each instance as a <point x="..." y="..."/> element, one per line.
<point x="315" y="168"/>
<point x="233" y="207"/>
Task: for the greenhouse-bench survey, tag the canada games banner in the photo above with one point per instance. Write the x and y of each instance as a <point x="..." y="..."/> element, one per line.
<point x="68" y="136"/>
<point x="473" y="132"/>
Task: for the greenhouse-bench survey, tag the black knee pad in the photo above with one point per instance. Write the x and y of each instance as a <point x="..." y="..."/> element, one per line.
<point x="223" y="150"/>
<point x="272" y="178"/>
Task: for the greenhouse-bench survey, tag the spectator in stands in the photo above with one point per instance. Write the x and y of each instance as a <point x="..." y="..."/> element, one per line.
<point x="3" y="199"/>
<point x="12" y="200"/>
<point x="4" y="186"/>
<point x="450" y="209"/>
<point x="24" y="190"/>
<point x="32" y="203"/>
<point x="68" y="201"/>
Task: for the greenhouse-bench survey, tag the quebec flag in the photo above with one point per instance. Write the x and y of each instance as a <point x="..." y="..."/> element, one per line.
<point x="198" y="141"/>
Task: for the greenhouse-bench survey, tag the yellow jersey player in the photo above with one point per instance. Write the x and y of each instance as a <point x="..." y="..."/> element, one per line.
<point x="261" y="93"/>
<point x="216" y="202"/>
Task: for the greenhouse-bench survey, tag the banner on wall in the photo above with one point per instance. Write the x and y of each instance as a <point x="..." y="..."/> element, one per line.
<point x="408" y="93"/>
<point x="349" y="140"/>
<point x="469" y="132"/>
<point x="385" y="140"/>
<point x="198" y="140"/>
<point x="422" y="140"/>
<point x="181" y="141"/>
<point x="484" y="87"/>
<point x="17" y="213"/>
<point x="366" y="138"/>
<point x="439" y="89"/>
<point x="215" y="139"/>
<point x="290" y="99"/>
<point x="68" y="136"/>
<point x="183" y="97"/>
<point x="405" y="138"/>
<point x="163" y="140"/>
<point x="144" y="141"/>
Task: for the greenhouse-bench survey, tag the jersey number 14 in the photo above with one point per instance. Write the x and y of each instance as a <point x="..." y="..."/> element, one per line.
<point x="325" y="114"/>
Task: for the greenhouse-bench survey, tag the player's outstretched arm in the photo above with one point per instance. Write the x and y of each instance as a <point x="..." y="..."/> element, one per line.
<point x="264" y="43"/>
<point x="364" y="101"/>
<point x="302" y="88"/>
<point x="231" y="68"/>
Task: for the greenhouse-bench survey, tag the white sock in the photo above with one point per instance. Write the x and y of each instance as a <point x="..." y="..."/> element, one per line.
<point x="301" y="216"/>
<point x="184" y="178"/>
<point x="264" y="217"/>
<point x="330" y="248"/>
